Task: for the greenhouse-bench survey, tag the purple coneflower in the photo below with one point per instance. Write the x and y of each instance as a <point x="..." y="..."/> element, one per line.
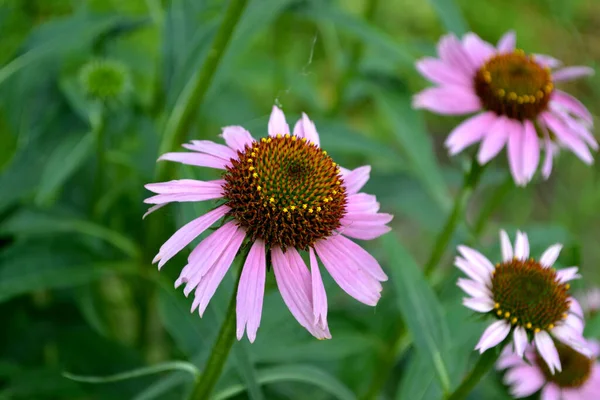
<point x="515" y="98"/>
<point x="526" y="296"/>
<point x="280" y="195"/>
<point x="578" y="380"/>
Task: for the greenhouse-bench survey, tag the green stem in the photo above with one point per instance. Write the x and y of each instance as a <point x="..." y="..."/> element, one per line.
<point x="98" y="130"/>
<point x="488" y="208"/>
<point x="207" y="381"/>
<point x="182" y="115"/>
<point x="470" y="181"/>
<point x="485" y="362"/>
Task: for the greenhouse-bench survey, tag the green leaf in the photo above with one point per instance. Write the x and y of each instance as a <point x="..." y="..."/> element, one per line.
<point x="298" y="373"/>
<point x="64" y="160"/>
<point x="158" y="389"/>
<point x="28" y="222"/>
<point x="451" y="16"/>
<point x="138" y="372"/>
<point x="420" y="309"/>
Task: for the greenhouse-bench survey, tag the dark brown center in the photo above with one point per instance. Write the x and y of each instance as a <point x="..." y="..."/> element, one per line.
<point x="576" y="367"/>
<point x="514" y="85"/>
<point x="285" y="191"/>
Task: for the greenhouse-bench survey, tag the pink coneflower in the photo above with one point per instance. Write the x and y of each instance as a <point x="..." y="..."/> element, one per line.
<point x="526" y="296"/>
<point x="516" y="101"/>
<point x="280" y="195"/>
<point x="578" y="380"/>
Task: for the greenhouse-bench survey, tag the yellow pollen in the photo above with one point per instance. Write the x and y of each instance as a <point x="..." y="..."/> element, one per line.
<point x="251" y="168"/>
<point x="310" y="210"/>
<point x="501" y="92"/>
<point x="334" y="192"/>
<point x="539" y="94"/>
<point x="333" y="164"/>
<point x="285" y="209"/>
<point x="287" y="135"/>
<point x="292" y="208"/>
<point x="304" y="206"/>
<point x="567" y="286"/>
<point x="551" y="326"/>
<point x="330" y="198"/>
<point x="512" y="96"/>
<point x="250" y="160"/>
<point x="520" y="51"/>
<point x="506" y="314"/>
<point x="304" y="139"/>
<point x="272" y="200"/>
<point x="278" y="136"/>
<point x="253" y="154"/>
<point x="514" y="320"/>
<point x="536" y="330"/>
<point x="325" y="199"/>
<point x="528" y="325"/>
<point x="338" y="182"/>
<point x="294" y="138"/>
<point x="497" y="305"/>
<point x="258" y="188"/>
<point x="255" y="175"/>
<point x="318" y="209"/>
<point x="324" y="152"/>
<point x="499" y="312"/>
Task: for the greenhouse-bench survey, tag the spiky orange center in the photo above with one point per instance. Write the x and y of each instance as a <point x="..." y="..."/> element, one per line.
<point x="514" y="85"/>
<point x="576" y="367"/>
<point x="285" y="191"/>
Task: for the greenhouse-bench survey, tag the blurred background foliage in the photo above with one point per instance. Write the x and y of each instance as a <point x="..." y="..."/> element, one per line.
<point x="86" y="89"/>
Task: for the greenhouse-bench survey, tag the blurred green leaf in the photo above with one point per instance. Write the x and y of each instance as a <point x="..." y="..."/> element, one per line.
<point x="165" y="385"/>
<point x="451" y="16"/>
<point x="138" y="372"/>
<point x="420" y="309"/>
<point x="299" y="373"/>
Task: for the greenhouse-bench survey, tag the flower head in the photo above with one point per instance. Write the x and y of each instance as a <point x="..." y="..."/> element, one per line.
<point x="525" y="296"/>
<point x="104" y="79"/>
<point x="578" y="380"/>
<point x="280" y="195"/>
<point x="516" y="100"/>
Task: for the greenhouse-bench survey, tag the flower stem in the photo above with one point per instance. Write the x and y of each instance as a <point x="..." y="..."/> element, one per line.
<point x="485" y="362"/>
<point x="212" y="371"/>
<point x="187" y="105"/>
<point x="470" y="182"/>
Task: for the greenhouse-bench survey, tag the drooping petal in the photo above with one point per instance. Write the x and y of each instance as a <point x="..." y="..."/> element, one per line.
<point x="570" y="73"/>
<point x="476" y="273"/>
<point x="319" y="296"/>
<point x="196" y="159"/>
<point x="476" y="258"/>
<point x="212" y="148"/>
<point x="520" y="340"/>
<point x="473" y="288"/>
<point x="354" y="180"/>
<point x="152" y="209"/>
<point x="507" y="42"/>
<point x="237" y="137"/>
<point x="187" y="233"/>
<point x="507" y="250"/>
<point x="521" y="246"/>
<point x="549" y="256"/>
<point x="353" y="254"/>
<point x="366" y="226"/>
<point x="572" y="105"/>
<point x="184" y="190"/>
<point x="251" y="290"/>
<point x="567" y="274"/>
<point x="470" y="131"/>
<point x="494" y="140"/>
<point x="546" y="349"/>
<point x="516" y="146"/>
<point x="531" y="151"/>
<point x="305" y="128"/>
<point x="294" y="283"/>
<point x="577" y="126"/>
<point x="568" y="138"/>
<point x="437" y="71"/>
<point x="479" y="50"/>
<point x="493" y="335"/>
<point x="277" y="123"/>
<point x="479" y="304"/>
<point x="448" y="100"/>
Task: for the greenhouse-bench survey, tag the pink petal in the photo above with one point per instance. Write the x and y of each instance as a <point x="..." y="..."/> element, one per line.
<point x="549" y="256"/>
<point x="476" y="258"/>
<point x="516" y="138"/>
<point x="474" y="272"/>
<point x="567" y="274"/>
<point x="479" y="304"/>
<point x="509" y="359"/>
<point x="447" y="100"/>
<point x="187" y="233"/>
<point x="294" y="283"/>
<point x="570" y="73"/>
<point x="572" y="105"/>
<point x="520" y="340"/>
<point x="153" y="208"/>
<point x="469" y="132"/>
<point x="251" y="291"/>
<point x="473" y="288"/>
<point x="521" y="246"/>
<point x="577" y="126"/>
<point x="353" y="254"/>
<point x="550" y="392"/>
<point x="437" y="71"/>
<point x="546" y="349"/>
<point x="319" y="297"/>
<point x="525" y="381"/>
<point x="507" y="251"/>
<point x="548" y="148"/>
<point x="305" y="128"/>
<point x="348" y="275"/>
<point x="197" y="159"/>
<point x="237" y="137"/>
<point x="531" y="151"/>
<point x="493" y="335"/>
<point x="362" y="203"/>
<point x="494" y="140"/>
<point x="507" y="43"/>
<point x="568" y="138"/>
<point x="212" y="148"/>
<point x="366" y="226"/>
<point x="547" y="61"/>
<point x="277" y="123"/>
<point x="479" y="51"/>
<point x="354" y="180"/>
<point x="576" y="307"/>
<point x="184" y="190"/>
<point x="452" y="53"/>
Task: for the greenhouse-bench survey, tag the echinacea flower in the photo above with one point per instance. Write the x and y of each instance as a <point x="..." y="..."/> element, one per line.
<point x="578" y="380"/>
<point x="280" y="195"/>
<point x="527" y="297"/>
<point x="515" y="99"/>
<point x="590" y="300"/>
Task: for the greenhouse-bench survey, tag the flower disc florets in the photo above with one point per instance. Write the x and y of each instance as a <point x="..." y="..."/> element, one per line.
<point x="285" y="191"/>
<point x="576" y="367"/>
<point x="104" y="79"/>
<point x="514" y="85"/>
<point x="529" y="295"/>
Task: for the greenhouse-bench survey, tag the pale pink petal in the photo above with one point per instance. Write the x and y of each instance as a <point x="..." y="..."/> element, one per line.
<point x="367" y="226"/>
<point x="448" y="100"/>
<point x="520" y="340"/>
<point x="437" y="71"/>
<point x="507" y="42"/>
<point x="547" y="61"/>
<point x="474" y="272"/>
<point x="476" y="258"/>
<point x="473" y="288"/>
<point x="470" y="131"/>
<point x="531" y="151"/>
<point x="480" y="304"/>
<point x="550" y="392"/>
<point x="567" y="274"/>
<point x="212" y="148"/>
<point x="153" y="208"/>
<point x="521" y="246"/>
<point x="494" y="140"/>
<point x="365" y="232"/>
<point x="305" y="128"/>
<point x="549" y="148"/>
<point x="187" y="233"/>
<point x="573" y="339"/>
<point x="451" y="52"/>
<point x="319" y="297"/>
<point x="294" y="283"/>
<point x="354" y="180"/>
<point x="528" y="380"/>
<point x="197" y="159"/>
<point x="549" y="256"/>
<point x="507" y="250"/>
<point x="184" y="190"/>
<point x="355" y="281"/>
<point x="251" y="290"/>
<point x="277" y="123"/>
<point x="493" y="335"/>
<point x="568" y="138"/>
<point x="577" y="126"/>
<point x="572" y="105"/>
<point x="362" y="203"/>
<point x="546" y="349"/>
<point x="479" y="51"/>
<point x="575" y="307"/>
<point x="516" y="138"/>
<point x="509" y="359"/>
<point x="571" y="326"/>
<point x="237" y="137"/>
<point x="570" y="73"/>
